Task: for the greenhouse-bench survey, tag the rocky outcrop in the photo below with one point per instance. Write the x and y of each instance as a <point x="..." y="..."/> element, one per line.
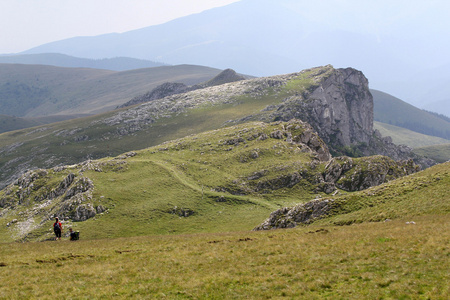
<point x="63" y="191"/>
<point x="337" y="103"/>
<point x="84" y="212"/>
<point x="384" y="146"/>
<point x="182" y="212"/>
<point x="356" y="174"/>
<point x="173" y="88"/>
<point x="303" y="213"/>
<point x="38" y="196"/>
<point x="346" y="173"/>
<point x="300" y="133"/>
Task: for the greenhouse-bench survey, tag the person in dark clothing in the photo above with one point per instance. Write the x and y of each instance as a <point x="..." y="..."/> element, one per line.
<point x="57" y="228"/>
<point x="74" y="236"/>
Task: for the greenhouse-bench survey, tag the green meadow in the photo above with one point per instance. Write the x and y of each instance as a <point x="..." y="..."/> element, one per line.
<point x="387" y="242"/>
<point x="381" y="260"/>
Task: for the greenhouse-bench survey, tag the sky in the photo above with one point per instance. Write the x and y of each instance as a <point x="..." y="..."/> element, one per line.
<point x="28" y="23"/>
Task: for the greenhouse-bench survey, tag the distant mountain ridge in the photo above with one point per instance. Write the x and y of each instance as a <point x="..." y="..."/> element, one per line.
<point x="10" y="123"/>
<point x="263" y="38"/>
<point x="62" y="60"/>
<point x="37" y="90"/>
<point x="391" y="110"/>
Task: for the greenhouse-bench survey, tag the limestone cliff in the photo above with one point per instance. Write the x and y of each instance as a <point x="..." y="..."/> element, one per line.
<point x="337" y="103"/>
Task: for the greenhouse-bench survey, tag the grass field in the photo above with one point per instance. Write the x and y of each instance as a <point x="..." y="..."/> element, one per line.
<point x="382" y="260"/>
<point x="440" y="153"/>
<point x="403" y="136"/>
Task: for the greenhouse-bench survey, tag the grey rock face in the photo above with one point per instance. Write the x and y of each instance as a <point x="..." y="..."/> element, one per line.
<point x="84" y="212"/>
<point x="339" y="107"/>
<point x="301" y="133"/>
<point x="302" y="213"/>
<point x="356" y="174"/>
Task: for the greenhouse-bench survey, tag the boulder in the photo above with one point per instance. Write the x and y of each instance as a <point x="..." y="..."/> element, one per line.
<point x="303" y="213"/>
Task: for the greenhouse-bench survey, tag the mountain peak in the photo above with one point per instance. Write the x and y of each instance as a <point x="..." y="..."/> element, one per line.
<point x="226" y="76"/>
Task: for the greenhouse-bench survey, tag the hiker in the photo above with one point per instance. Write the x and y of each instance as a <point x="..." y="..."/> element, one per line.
<point x="57" y="228"/>
<point x="73" y="235"/>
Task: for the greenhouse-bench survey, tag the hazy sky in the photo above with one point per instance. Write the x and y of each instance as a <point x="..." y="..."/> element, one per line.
<point x="28" y="23"/>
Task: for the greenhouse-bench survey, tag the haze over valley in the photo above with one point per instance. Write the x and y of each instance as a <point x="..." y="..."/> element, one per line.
<point x="220" y="149"/>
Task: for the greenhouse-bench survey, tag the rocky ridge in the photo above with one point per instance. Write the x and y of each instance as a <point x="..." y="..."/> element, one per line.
<point x="35" y="198"/>
<point x="172" y="88"/>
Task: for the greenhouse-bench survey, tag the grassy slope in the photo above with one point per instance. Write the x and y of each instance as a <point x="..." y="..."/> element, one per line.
<point x="422" y="193"/>
<point x="191" y="174"/>
<point x="10" y="123"/>
<point x="391" y="110"/>
<point x="440" y="153"/>
<point x="208" y="176"/>
<point x="81" y="90"/>
<point x="403" y="136"/>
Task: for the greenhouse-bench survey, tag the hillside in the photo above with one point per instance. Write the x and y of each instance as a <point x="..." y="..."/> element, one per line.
<point x="403" y="136"/>
<point x="11" y="123"/>
<point x="423" y="193"/>
<point x="336" y="102"/>
<point x="37" y="90"/>
<point x="223" y="180"/>
<point x="440" y="153"/>
<point x="398" y="240"/>
<point x="393" y="111"/>
<point x="62" y="60"/>
<point x="306" y="94"/>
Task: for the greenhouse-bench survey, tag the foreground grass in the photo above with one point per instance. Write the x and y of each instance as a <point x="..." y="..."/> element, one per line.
<point x="383" y="260"/>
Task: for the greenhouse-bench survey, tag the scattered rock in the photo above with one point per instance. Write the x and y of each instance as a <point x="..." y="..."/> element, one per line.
<point x="302" y="213"/>
<point x="182" y="212"/>
<point x="84" y="212"/>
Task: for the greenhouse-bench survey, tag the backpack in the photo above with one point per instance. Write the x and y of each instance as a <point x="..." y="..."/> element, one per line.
<point x="75" y="235"/>
<point x="57" y="227"/>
